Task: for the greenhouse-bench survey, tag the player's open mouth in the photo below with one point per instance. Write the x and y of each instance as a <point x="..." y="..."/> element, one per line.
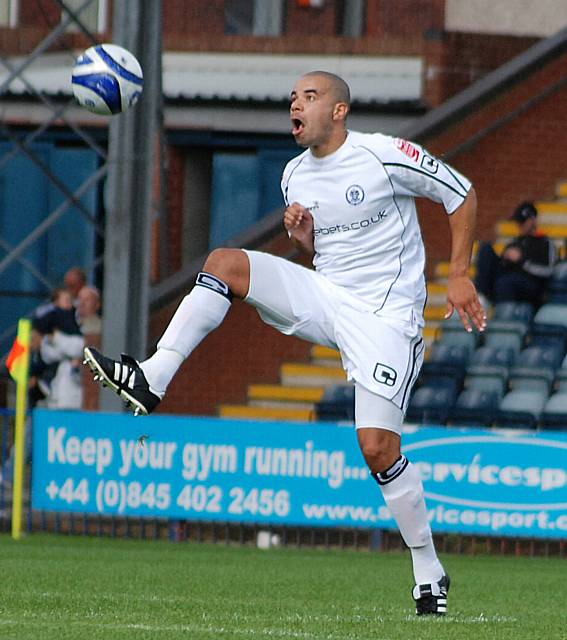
<point x="297" y="126"/>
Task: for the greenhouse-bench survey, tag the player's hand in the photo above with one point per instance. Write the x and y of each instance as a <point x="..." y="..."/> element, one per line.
<point x="462" y="297"/>
<point x="298" y="222"/>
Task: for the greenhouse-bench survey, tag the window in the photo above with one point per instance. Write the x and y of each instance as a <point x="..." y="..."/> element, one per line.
<point x="94" y="17"/>
<point x="253" y="17"/>
<point x="352" y="18"/>
<point x="9" y="13"/>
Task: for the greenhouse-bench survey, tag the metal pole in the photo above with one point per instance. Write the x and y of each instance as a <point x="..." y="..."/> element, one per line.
<point x="137" y="26"/>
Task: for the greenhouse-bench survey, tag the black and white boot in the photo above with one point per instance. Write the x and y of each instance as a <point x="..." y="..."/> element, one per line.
<point x="431" y="599"/>
<point x="126" y="378"/>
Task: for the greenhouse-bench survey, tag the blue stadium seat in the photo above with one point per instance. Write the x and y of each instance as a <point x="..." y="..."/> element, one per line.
<point x="447" y="359"/>
<point x="492" y="383"/>
<point x="336" y="404"/>
<point x="536" y="357"/>
<point x="475" y="407"/>
<point x="491" y="362"/>
<point x="552" y="313"/>
<point x="430" y="405"/>
<point x="455" y="335"/>
<point x="520" y="408"/>
<point x="503" y="336"/>
<point x="554" y="415"/>
<point x="521" y="312"/>
<point x="557" y="286"/>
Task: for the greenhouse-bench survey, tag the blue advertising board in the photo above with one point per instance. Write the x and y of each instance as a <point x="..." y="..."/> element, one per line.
<point x="476" y="481"/>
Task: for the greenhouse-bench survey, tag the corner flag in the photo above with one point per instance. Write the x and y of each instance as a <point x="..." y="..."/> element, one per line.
<point x="18" y="363"/>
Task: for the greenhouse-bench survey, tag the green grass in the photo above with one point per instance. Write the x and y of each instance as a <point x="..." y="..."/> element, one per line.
<point x="84" y="588"/>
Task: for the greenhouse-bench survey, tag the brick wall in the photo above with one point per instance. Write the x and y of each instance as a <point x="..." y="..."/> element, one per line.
<point x="522" y="160"/>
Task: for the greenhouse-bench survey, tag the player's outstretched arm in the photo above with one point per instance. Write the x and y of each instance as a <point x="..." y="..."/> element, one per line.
<point x="298" y="222"/>
<point x="462" y="296"/>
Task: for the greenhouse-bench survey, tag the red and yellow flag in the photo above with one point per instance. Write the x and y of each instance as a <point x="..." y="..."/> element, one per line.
<point x="18" y="358"/>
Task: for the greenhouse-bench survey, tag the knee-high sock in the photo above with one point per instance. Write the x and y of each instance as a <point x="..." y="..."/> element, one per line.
<point x="403" y="492"/>
<point x="199" y="313"/>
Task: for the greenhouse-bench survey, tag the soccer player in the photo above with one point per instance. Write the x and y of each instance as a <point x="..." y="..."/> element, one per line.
<point x="350" y="205"/>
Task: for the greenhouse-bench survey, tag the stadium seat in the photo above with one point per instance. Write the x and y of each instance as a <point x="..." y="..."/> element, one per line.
<point x="521" y="312"/>
<point x="505" y="336"/>
<point x="446" y="359"/>
<point x="536" y="357"/>
<point x="475" y="407"/>
<point x="554" y="415"/>
<point x="455" y="335"/>
<point x="430" y="405"/>
<point x="548" y="335"/>
<point x="493" y="383"/>
<point x="491" y="363"/>
<point x="557" y="287"/>
<point x="336" y="404"/>
<point x="520" y="408"/>
<point x="552" y="313"/>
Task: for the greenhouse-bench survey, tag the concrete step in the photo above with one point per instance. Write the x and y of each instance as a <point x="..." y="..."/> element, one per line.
<point x="282" y="404"/>
<point x="265" y="413"/>
<point x="309" y="375"/>
<point x="281" y="393"/>
<point x="561" y="190"/>
<point x="509" y="229"/>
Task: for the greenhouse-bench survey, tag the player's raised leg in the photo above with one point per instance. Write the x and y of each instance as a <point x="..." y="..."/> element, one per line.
<point x="142" y="385"/>
<point x="402" y="489"/>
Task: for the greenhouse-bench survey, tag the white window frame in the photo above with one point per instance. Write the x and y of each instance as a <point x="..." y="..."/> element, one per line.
<point x="13" y="8"/>
<point x="101" y="17"/>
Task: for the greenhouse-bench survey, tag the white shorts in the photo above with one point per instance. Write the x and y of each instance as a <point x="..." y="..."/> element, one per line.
<point x="380" y="353"/>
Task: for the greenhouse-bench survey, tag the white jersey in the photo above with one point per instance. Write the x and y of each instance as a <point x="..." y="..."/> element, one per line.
<point x="366" y="231"/>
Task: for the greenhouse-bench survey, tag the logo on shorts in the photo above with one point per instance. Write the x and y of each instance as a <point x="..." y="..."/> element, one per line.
<point x="354" y="194"/>
<point x="385" y="374"/>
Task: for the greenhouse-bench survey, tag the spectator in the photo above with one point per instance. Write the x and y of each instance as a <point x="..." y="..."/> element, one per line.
<point x="88" y="314"/>
<point x="75" y="279"/>
<point x="523" y="270"/>
<point x="88" y="307"/>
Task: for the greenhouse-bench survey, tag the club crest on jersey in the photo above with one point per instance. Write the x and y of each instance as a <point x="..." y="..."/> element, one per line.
<point x="354" y="194"/>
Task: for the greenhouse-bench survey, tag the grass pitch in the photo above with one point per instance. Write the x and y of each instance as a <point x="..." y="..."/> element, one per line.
<point x="88" y="588"/>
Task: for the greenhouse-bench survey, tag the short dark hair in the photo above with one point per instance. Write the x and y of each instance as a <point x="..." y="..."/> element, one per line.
<point x="340" y="87"/>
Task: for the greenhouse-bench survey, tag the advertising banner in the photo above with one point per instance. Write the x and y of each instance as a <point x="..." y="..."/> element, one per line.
<point x="476" y="481"/>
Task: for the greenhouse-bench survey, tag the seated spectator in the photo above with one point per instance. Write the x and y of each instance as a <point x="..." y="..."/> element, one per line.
<point x="523" y="270"/>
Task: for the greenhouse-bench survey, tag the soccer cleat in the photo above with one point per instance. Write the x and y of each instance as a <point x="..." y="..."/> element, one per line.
<point x="431" y="599"/>
<point x="126" y="378"/>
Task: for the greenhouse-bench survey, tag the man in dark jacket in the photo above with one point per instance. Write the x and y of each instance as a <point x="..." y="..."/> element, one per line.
<point x="523" y="270"/>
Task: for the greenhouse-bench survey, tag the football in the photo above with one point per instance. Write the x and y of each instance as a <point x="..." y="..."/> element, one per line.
<point x="107" y="79"/>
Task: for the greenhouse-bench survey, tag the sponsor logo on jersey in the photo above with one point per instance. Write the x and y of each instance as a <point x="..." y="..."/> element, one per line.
<point x="385" y="374"/>
<point x="314" y="206"/>
<point x="353" y="226"/>
<point x="354" y="194"/>
<point x="407" y="148"/>
<point x="429" y="164"/>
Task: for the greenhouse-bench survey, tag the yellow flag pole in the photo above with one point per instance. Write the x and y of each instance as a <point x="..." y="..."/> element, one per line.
<point x="24" y="332"/>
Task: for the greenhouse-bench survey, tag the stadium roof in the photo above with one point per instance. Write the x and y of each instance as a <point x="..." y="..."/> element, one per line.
<point x="244" y="77"/>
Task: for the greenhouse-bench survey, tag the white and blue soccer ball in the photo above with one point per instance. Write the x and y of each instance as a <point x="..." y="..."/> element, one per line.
<point x="107" y="79"/>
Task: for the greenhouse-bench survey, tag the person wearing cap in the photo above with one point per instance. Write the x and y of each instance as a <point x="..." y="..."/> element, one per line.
<point x="522" y="272"/>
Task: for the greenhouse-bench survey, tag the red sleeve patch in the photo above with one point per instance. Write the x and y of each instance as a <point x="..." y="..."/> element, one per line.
<point x="407" y="148"/>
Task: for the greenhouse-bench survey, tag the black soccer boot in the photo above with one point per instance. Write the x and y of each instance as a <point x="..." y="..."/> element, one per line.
<point x="431" y="599"/>
<point x="125" y="378"/>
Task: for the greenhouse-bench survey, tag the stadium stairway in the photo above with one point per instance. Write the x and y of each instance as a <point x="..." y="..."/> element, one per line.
<point x="302" y="385"/>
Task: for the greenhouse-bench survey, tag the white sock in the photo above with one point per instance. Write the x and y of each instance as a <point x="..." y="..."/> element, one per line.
<point x="199" y="313"/>
<point x="160" y="369"/>
<point x="403" y="492"/>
